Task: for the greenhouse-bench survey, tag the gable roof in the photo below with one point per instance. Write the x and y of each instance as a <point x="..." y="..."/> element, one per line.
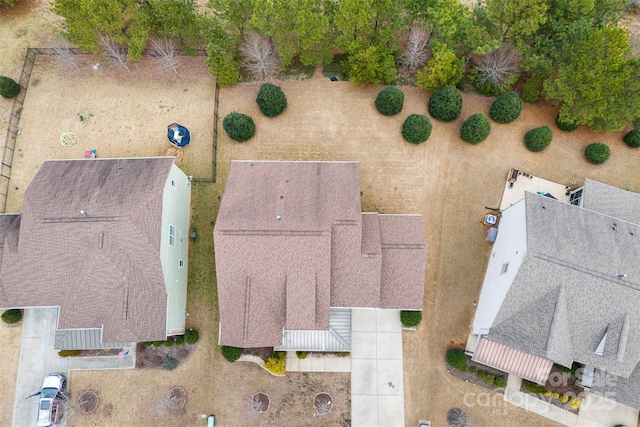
<point x="579" y="280"/>
<point x="291" y="242"/>
<point x="89" y="242"/>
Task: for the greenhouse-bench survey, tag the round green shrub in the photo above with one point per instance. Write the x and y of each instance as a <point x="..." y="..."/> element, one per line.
<point x="475" y="129"/>
<point x="231" y="354"/>
<point x="457" y="359"/>
<point x="180" y="340"/>
<point x="157" y="343"/>
<point x="170" y="363"/>
<point x="191" y="336"/>
<point x="239" y="127"/>
<point x="632" y="139"/>
<point x="500" y="382"/>
<point x="11" y="316"/>
<point x="410" y="319"/>
<point x="389" y="101"/>
<point x="9" y="88"/>
<point x="566" y="126"/>
<point x="169" y="342"/>
<point x="148" y="343"/>
<point x="538" y="139"/>
<point x="271" y="100"/>
<point x="597" y="153"/>
<point x="506" y="108"/>
<point x="416" y="128"/>
<point x="446" y="104"/>
<point x="301" y="354"/>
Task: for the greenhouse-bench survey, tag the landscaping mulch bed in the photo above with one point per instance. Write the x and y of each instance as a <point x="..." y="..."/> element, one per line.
<point x="322" y="403"/>
<point x="470" y="378"/>
<point x="260" y="402"/>
<point x="151" y="357"/>
<point x="99" y="352"/>
<point x="261" y="352"/>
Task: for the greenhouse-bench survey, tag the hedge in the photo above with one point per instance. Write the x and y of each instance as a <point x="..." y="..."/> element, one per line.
<point x="191" y="336"/>
<point x="565" y="125"/>
<point x="500" y="382"/>
<point x="11" y="316"/>
<point x="9" y="88"/>
<point x="416" y="128"/>
<point x="410" y="319"/>
<point x="506" y="108"/>
<point x="632" y="138"/>
<point x="69" y="353"/>
<point x="538" y="139"/>
<point x="457" y="359"/>
<point x="239" y="127"/>
<point x="389" y="101"/>
<point x="169" y="342"/>
<point x="532" y="387"/>
<point x="271" y="100"/>
<point x="475" y="129"/>
<point x="180" y="340"/>
<point x="231" y="354"/>
<point x="597" y="153"/>
<point x="446" y="104"/>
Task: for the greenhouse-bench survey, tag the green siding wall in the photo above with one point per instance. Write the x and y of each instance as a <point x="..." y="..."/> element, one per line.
<point x="176" y="209"/>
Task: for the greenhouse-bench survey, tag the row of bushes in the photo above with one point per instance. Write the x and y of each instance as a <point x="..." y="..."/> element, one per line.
<point x="534" y="388"/>
<point x="457" y="359"/>
<point x="190" y="337"/>
<point x="271" y="100"/>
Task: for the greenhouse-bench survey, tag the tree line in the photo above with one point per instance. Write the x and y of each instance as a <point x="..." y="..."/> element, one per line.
<point x="569" y="52"/>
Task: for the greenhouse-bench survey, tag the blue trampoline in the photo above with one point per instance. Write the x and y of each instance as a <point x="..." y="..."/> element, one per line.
<point x="178" y="135"/>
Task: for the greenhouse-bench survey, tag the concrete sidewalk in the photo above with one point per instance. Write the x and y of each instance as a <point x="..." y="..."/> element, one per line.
<point x="37" y="360"/>
<point x="377" y="385"/>
<point x="318" y="363"/>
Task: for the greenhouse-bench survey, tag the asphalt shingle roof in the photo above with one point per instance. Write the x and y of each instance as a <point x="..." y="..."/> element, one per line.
<point x="89" y="242"/>
<point x="291" y="241"/>
<point x="579" y="280"/>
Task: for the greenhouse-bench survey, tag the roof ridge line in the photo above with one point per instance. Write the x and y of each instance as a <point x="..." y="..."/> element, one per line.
<point x="595" y="273"/>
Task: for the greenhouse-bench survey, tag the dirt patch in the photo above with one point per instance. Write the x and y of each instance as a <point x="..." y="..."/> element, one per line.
<point x="87" y="402"/>
<point x="176" y="399"/>
<point x="151" y="357"/>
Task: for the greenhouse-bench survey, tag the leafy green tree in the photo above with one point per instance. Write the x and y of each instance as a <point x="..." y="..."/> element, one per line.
<point x="220" y="58"/>
<point x="443" y="69"/>
<point x="6" y="3"/>
<point x="362" y="23"/>
<point x="595" y="85"/>
<point x="316" y="37"/>
<point x="372" y="65"/>
<point x="519" y="19"/>
<point x="236" y="13"/>
<point x="174" y="19"/>
<point x="86" y="20"/>
<point x="277" y="19"/>
<point x="446" y="20"/>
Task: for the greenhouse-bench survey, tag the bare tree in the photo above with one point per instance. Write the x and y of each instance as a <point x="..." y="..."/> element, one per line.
<point x="65" y="55"/>
<point x="456" y="417"/>
<point x="164" y="50"/>
<point x="260" y="56"/>
<point x="499" y="68"/>
<point x="415" y="54"/>
<point x="116" y="54"/>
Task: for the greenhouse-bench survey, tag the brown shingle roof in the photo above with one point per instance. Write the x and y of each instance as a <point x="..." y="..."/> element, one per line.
<point x="102" y="267"/>
<point x="290" y="241"/>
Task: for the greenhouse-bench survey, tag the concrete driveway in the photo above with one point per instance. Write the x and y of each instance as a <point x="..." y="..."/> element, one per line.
<point x="37" y="360"/>
<point x="377" y="384"/>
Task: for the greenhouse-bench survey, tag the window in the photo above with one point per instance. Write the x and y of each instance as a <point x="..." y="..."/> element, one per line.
<point x="173" y="183"/>
<point x="172" y="235"/>
<point x="505" y="268"/>
<point x="181" y="263"/>
<point x="576" y="197"/>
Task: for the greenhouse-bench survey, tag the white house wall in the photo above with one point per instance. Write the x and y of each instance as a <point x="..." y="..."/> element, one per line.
<point x="176" y="209"/>
<point x="510" y="247"/>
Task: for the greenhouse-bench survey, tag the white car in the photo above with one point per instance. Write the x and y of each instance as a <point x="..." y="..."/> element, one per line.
<point x="52" y="397"/>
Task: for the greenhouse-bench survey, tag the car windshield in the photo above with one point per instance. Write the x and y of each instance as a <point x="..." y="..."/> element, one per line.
<point x="45" y="404"/>
<point x="49" y="393"/>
